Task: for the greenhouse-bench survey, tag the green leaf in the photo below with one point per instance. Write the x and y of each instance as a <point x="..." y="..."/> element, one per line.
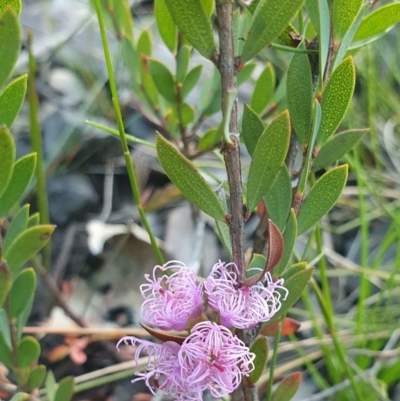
<point x="10" y="43"/>
<point x="253" y="5"/>
<point x="5" y="329"/>
<point x="191" y="80"/>
<point x="287" y="388"/>
<point x="147" y="82"/>
<point x="299" y="94"/>
<point x="193" y="22"/>
<point x="165" y="24"/>
<point x="208" y="6"/>
<point x="21" y="397"/>
<point x="7" y="156"/>
<point x="263" y="89"/>
<point x="260" y="348"/>
<point x="28" y="351"/>
<point x="23" y="318"/>
<point x="279" y="199"/>
<point x="5" y="354"/>
<point x="378" y="22"/>
<point x="318" y="11"/>
<point x="15" y="4"/>
<point x="27" y="245"/>
<point x="222" y="227"/>
<point x="245" y="73"/>
<point x="321" y="198"/>
<point x="344" y="14"/>
<point x="268" y="158"/>
<point x="252" y="128"/>
<point x="51" y="385"/>
<point x="270" y="18"/>
<point x="65" y="389"/>
<point x="36" y="377"/>
<point x="144" y="43"/>
<point x="123" y="18"/>
<point x="186" y="113"/>
<point x="292" y="270"/>
<point x="22" y="291"/>
<point x="295" y="285"/>
<point x="188" y="180"/>
<point x="163" y="80"/>
<point x="18" y="224"/>
<point x="11" y="100"/>
<point x="21" y="176"/>
<point x="258" y="261"/>
<point x="34" y="220"/>
<point x="209" y="139"/>
<point x="289" y="238"/>
<point x="336" y="147"/>
<point x="336" y="99"/>
<point x="182" y="63"/>
<point x="5" y="282"/>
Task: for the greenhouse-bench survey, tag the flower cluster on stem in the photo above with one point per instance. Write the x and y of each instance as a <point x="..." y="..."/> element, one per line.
<point x="211" y="357"/>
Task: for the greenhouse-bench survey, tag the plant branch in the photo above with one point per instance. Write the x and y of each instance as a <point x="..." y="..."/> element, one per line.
<point x="231" y="151"/>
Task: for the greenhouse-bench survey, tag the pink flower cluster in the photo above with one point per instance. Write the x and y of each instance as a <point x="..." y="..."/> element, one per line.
<point x="211" y="357"/>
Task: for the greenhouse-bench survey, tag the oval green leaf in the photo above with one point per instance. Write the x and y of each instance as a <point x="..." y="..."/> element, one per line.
<point x="263" y="89"/>
<point x="21" y="176"/>
<point x="22" y="291"/>
<point x="268" y="158"/>
<point x="65" y="389"/>
<point x="186" y="114"/>
<point x="321" y="198"/>
<point x="299" y="94"/>
<point x="7" y="156"/>
<point x="34" y="220"/>
<point x="28" y="352"/>
<point x="5" y="282"/>
<point x="318" y="11"/>
<point x="165" y="24"/>
<point x="287" y="388"/>
<point x="15" y="4"/>
<point x="191" y="80"/>
<point x="279" y="199"/>
<point x="144" y="43"/>
<point x="36" y="377"/>
<point x="378" y="22"/>
<point x="182" y="63"/>
<point x="344" y="14"/>
<point x="295" y="285"/>
<point x="18" y="224"/>
<point x="260" y="348"/>
<point x="11" y="100"/>
<point x="245" y="73"/>
<point x="336" y="99"/>
<point x="188" y="180"/>
<point x="209" y="139"/>
<point x="192" y="20"/>
<point x="336" y="147"/>
<point x="270" y="18"/>
<point x="289" y="238"/>
<point x="252" y="128"/>
<point x="10" y="43"/>
<point x="26" y="245"/>
<point x="222" y="227"/>
<point x="163" y="80"/>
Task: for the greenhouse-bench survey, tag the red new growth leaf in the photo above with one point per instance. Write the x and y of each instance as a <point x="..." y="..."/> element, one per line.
<point x="163" y="335"/>
<point x="275" y="250"/>
<point x="289" y="326"/>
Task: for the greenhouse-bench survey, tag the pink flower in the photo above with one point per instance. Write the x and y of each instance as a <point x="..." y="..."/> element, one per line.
<point x="163" y="369"/>
<point x="211" y="358"/>
<point x="242" y="307"/>
<point x="214" y="359"/>
<point x="170" y="301"/>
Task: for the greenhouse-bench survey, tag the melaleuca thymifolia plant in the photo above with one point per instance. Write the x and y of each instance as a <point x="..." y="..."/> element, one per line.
<point x="22" y="235"/>
<point x="301" y="116"/>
